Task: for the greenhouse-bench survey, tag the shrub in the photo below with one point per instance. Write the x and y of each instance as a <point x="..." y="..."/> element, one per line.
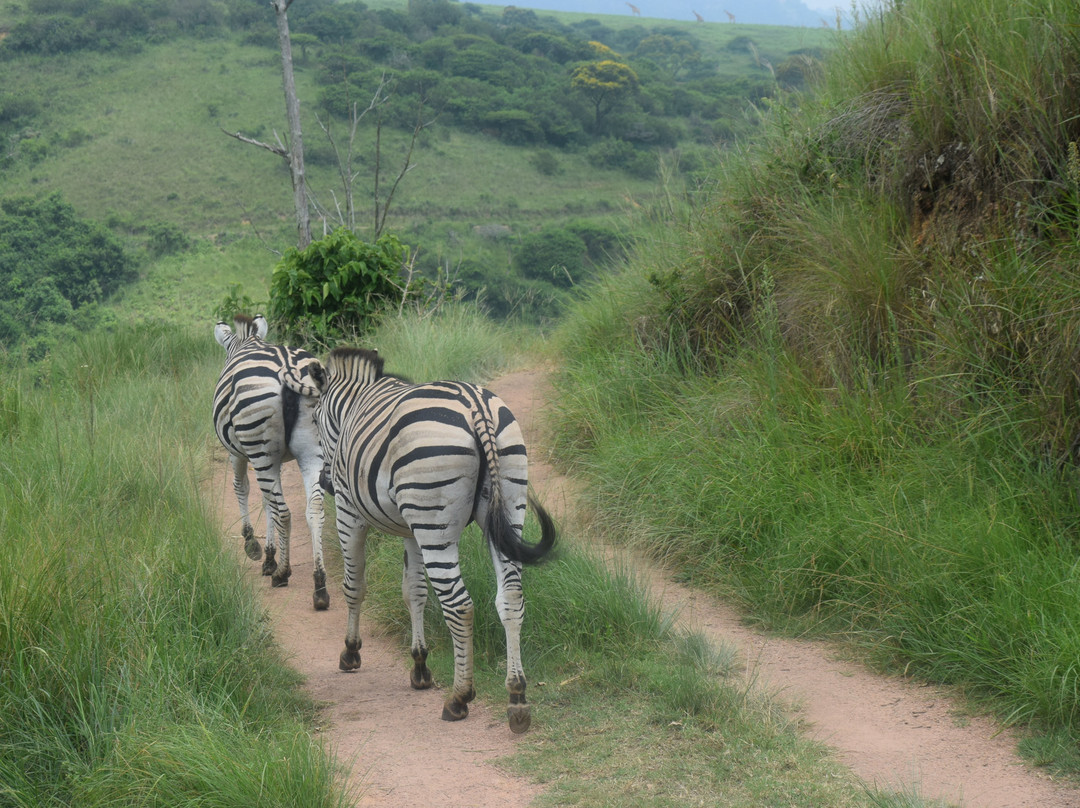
<point x="336" y="286"/>
<point x="546" y="163"/>
<point x="610" y="153"/>
<point x="553" y="254"/>
<point x="513" y="126"/>
<point x="166" y="239"/>
<point x="52" y="262"/>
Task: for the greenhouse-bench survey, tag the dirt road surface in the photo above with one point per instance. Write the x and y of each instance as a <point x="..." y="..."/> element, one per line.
<point x="892" y="733"/>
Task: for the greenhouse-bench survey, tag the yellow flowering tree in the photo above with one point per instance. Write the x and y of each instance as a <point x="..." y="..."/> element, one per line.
<point x="605" y="84"/>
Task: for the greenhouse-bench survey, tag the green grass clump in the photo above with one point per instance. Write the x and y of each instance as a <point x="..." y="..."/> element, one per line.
<point x="137" y="665"/>
<point x="455" y="341"/>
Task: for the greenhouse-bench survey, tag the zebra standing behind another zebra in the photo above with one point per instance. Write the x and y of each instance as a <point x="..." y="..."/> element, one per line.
<point x="421" y="461"/>
<point x="264" y="413"/>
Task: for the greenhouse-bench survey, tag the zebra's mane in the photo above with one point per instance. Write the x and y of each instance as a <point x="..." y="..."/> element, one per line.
<point x="369" y="359"/>
<point x="244" y="326"/>
<point x="346" y="356"/>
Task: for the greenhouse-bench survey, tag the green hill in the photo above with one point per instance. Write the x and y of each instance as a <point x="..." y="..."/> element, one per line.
<point x="123" y="110"/>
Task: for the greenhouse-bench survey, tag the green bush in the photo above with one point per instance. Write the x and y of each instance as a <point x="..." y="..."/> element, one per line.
<point x="51" y="263"/>
<point x="553" y="254"/>
<point x="337" y="285"/>
<point x="546" y="163"/>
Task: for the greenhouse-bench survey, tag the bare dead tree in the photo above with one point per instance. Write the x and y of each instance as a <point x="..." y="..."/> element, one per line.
<point x="348" y="176"/>
<point x="294" y="152"/>
<point x="345" y="153"/>
<point x="382" y="206"/>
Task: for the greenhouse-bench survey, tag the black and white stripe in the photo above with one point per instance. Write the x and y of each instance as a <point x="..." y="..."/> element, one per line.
<point x="264" y="413"/>
<point x="421" y="461"/>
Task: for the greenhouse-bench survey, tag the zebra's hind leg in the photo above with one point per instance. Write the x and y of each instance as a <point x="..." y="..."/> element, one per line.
<point x="311" y="469"/>
<point x="242" y="487"/>
<point x="270" y="559"/>
<point x="278" y="525"/>
<point x="284" y="571"/>
<point x="510" y="603"/>
<point x="444" y="573"/>
<point x="352" y="534"/>
<point x="414" y="591"/>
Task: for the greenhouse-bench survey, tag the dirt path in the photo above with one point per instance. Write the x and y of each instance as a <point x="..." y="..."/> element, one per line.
<point x="892" y="733"/>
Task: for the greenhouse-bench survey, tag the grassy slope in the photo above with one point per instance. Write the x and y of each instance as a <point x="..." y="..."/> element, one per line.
<point x="152" y="151"/>
<point x="862" y="449"/>
<point x="156" y="153"/>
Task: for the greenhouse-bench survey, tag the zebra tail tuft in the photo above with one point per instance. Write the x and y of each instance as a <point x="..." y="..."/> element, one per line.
<point x="509" y="542"/>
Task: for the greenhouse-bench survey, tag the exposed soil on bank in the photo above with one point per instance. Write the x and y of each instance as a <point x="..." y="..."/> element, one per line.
<point x="892" y="733"/>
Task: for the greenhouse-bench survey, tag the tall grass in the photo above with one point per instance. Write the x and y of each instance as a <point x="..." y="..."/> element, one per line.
<point x="455" y="341"/>
<point x="872" y="433"/>
<point x="935" y="543"/>
<point x="136" y="666"/>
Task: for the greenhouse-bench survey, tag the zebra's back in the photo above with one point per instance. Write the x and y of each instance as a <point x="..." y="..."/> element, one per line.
<point x="412" y="458"/>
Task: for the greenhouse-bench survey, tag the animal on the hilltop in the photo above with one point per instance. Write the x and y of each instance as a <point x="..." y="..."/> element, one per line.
<point x="264" y="413"/>
<point x="422" y="461"/>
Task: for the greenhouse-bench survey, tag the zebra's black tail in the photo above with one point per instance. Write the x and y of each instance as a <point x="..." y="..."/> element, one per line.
<point x="509" y="542"/>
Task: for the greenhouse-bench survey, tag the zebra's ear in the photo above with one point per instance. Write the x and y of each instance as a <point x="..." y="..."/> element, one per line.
<point x="222" y="333"/>
<point x="261" y="326"/>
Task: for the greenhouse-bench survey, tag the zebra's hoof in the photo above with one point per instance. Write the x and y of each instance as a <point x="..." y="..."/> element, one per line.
<point x="350" y="657"/>
<point x="253" y="549"/>
<point x="321" y="598"/>
<point x="455" y="710"/>
<point x="280" y="577"/>
<point x="420" y="677"/>
<point x="519" y="717"/>
<point x="270" y="562"/>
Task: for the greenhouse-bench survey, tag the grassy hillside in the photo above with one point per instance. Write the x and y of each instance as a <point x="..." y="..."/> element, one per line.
<point x="130" y="134"/>
<point x="844" y="389"/>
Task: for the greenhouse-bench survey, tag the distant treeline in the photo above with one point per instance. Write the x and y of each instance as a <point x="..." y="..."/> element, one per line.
<point x="518" y="76"/>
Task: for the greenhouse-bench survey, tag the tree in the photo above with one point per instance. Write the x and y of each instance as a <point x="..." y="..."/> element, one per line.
<point x="382" y="198"/>
<point x="605" y="84"/>
<point x="294" y="152"/>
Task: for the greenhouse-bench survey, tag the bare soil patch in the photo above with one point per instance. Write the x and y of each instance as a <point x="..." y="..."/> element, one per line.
<point x="891" y="732"/>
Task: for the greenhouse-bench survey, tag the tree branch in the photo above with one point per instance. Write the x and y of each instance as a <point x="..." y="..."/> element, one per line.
<point x="279" y="150"/>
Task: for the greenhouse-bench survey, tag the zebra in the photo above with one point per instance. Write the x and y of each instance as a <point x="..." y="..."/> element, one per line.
<point x="264" y="413"/>
<point x="421" y="461"/>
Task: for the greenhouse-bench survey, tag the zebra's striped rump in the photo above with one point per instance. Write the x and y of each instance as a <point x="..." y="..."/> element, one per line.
<point x="264" y="414"/>
<point x="421" y="461"/>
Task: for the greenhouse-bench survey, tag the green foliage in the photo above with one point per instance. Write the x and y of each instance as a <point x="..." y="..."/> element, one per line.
<point x="545" y="162"/>
<point x="554" y="255"/>
<point x="236" y="302"/>
<point x="166" y="238"/>
<point x="605" y="83"/>
<point x="337" y="286"/>
<point x="51" y="264"/>
<point x="144" y="644"/>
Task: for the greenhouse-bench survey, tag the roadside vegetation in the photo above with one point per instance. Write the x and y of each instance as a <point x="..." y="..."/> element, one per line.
<point x="835" y="380"/>
<point x="136" y="667"/>
<point x="842" y="387"/>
